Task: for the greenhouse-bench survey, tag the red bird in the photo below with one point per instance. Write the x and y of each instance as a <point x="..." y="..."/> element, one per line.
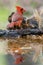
<point x="17" y="17"/>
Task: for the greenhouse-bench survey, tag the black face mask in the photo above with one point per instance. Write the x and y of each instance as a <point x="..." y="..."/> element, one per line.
<point x="22" y="10"/>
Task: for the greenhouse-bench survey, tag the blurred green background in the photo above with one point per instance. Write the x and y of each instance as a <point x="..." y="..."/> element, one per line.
<point x="4" y="12"/>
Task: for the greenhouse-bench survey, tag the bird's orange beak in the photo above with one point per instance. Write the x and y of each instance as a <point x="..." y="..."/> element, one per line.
<point x="24" y="10"/>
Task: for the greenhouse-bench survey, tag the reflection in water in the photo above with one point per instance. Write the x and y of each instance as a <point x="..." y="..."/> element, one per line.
<point x="32" y="45"/>
<point x="36" y="44"/>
